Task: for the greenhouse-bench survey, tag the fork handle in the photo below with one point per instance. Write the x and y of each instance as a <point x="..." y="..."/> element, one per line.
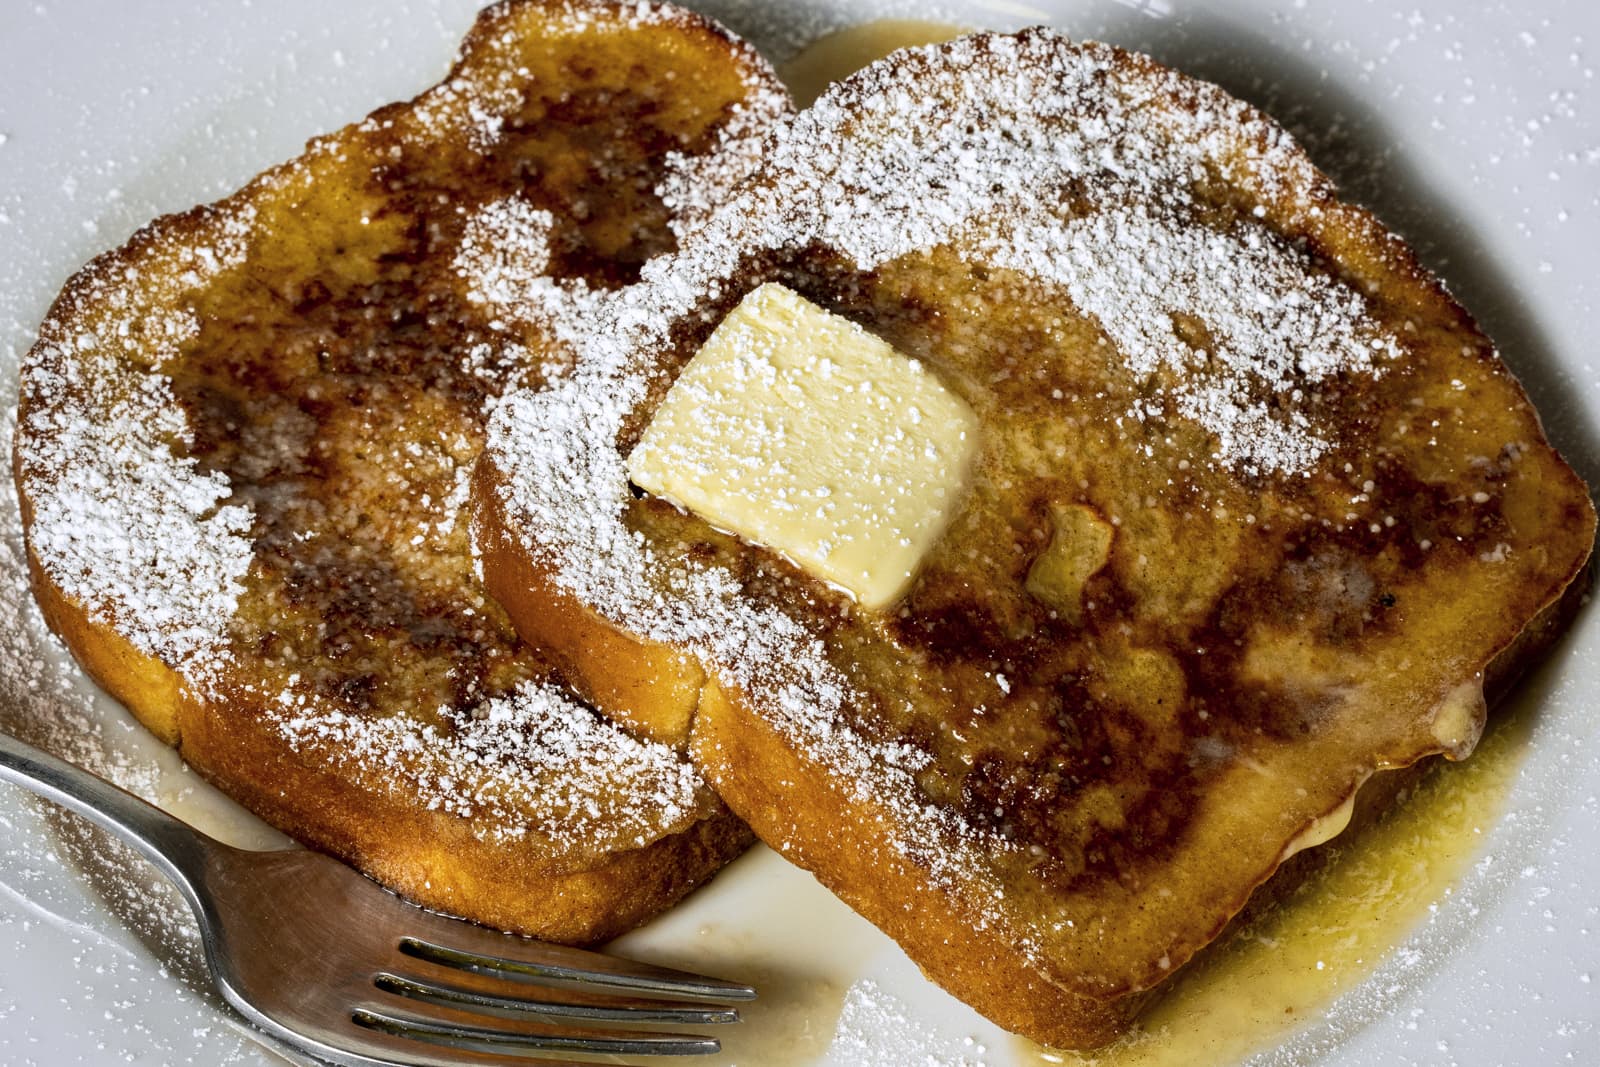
<point x="175" y="847"/>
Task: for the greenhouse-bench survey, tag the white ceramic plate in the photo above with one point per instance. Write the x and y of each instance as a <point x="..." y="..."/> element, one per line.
<point x="1476" y="135"/>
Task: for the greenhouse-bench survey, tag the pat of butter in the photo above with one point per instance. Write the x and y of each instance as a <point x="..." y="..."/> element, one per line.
<point x="800" y="431"/>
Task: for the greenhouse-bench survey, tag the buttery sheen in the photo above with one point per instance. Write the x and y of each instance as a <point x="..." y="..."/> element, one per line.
<point x="1283" y="969"/>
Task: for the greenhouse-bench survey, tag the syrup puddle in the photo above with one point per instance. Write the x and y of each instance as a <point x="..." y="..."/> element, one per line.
<point x="762" y="922"/>
<point x="837" y="55"/>
<point x="191" y="798"/>
<point x="1282" y="969"/>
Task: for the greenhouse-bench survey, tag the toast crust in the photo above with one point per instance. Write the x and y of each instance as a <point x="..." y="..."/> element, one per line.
<point x="243" y="438"/>
<point x="649" y="686"/>
<point x="428" y="857"/>
<point x="1330" y="534"/>
<point x="827" y="829"/>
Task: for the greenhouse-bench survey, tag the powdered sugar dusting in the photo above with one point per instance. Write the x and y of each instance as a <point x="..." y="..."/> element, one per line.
<point x="504" y="259"/>
<point x="506" y="247"/>
<point x="1272" y="325"/>
<point x="1499" y="88"/>
<point x="1041" y="160"/>
<point x="570" y="491"/>
<point x="125" y="526"/>
<point x="485" y="89"/>
<point x="533" y="762"/>
<point x="694" y="186"/>
<point x="152" y="546"/>
<point x="45" y="701"/>
<point x="1045" y="157"/>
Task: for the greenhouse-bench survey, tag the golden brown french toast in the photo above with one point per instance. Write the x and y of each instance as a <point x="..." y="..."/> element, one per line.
<point x="1253" y="511"/>
<point x="244" y="438"/>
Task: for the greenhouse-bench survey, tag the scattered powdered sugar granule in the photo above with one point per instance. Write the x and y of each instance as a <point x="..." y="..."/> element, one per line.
<point x="875" y="1029"/>
<point x="143" y="538"/>
<point x="40" y="690"/>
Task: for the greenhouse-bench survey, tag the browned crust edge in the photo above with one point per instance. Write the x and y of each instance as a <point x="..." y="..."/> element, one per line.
<point x="794" y="804"/>
<point x="429" y="857"/>
<point x="817" y="823"/>
<point x="648" y="686"/>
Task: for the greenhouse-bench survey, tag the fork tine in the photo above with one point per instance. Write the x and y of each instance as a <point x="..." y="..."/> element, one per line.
<point x="367" y="1047"/>
<point x="520" y="998"/>
<point x="482" y="950"/>
<point x="453" y="1028"/>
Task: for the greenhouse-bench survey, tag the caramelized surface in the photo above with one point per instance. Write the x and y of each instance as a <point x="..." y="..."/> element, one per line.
<point x="342" y="376"/>
<point x="1312" y="623"/>
<point x="1230" y="613"/>
<point x="1221" y="647"/>
<point x="334" y="375"/>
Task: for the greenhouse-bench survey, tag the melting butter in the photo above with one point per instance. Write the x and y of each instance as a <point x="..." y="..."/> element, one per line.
<point x="1323" y="829"/>
<point x="1459" y="719"/>
<point x="798" y="430"/>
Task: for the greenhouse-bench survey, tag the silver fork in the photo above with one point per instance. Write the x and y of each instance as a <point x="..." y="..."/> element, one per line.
<point x="335" y="965"/>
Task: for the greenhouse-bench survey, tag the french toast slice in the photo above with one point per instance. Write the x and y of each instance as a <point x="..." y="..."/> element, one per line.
<point x="1256" y="514"/>
<point x="244" y="438"/>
